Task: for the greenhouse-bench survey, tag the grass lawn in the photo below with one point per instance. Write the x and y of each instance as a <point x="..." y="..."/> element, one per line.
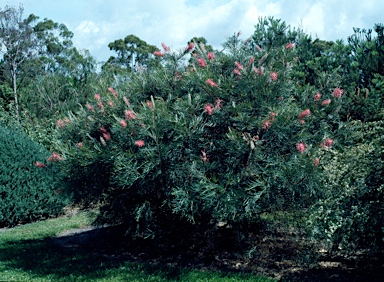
<point x="27" y="254"/>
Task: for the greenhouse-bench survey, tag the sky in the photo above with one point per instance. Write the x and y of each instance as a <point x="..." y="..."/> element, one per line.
<point x="96" y="23"/>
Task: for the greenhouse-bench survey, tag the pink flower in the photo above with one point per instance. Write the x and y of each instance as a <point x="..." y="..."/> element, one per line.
<point x="251" y="60"/>
<point x="80" y="145"/>
<point x="239" y="66"/>
<point x="107" y="136"/>
<point x="317" y="96"/>
<point x="326" y="102"/>
<point x="190" y="46"/>
<point x="39" y="164"/>
<point x="289" y="45"/>
<point x="257" y="71"/>
<point x="89" y="107"/>
<point x="208" y="109"/>
<point x="316" y="161"/>
<point x="97" y="97"/>
<point x="139" y="143"/>
<point x="158" y="53"/>
<point x="60" y="123"/>
<point x="211" y="56"/>
<point x="302" y="121"/>
<point x="112" y="91"/>
<point x="210" y="82"/>
<point x="237" y="71"/>
<point x="110" y="103"/>
<point x="129" y="115"/>
<point x="165" y="47"/>
<point x="327" y="143"/>
<point x="102" y="129"/>
<point x="149" y="104"/>
<point x="201" y="62"/>
<point x="337" y="92"/>
<point x="218" y="104"/>
<point x="123" y="123"/>
<point x="266" y="125"/>
<point x="304" y="113"/>
<point x="301" y="147"/>
<point x="273" y="75"/>
<point x="204" y="157"/>
<point x="55" y="157"/>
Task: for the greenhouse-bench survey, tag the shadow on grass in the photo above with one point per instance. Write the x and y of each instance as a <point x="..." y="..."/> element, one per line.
<point x="105" y="254"/>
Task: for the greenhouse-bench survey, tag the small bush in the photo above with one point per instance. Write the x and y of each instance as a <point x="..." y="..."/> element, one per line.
<point x="29" y="184"/>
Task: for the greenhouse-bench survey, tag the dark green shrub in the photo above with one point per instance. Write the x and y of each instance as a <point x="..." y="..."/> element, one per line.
<point x="29" y="184"/>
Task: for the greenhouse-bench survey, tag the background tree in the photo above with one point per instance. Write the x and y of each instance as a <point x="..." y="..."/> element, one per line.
<point x="132" y="52"/>
<point x="17" y="43"/>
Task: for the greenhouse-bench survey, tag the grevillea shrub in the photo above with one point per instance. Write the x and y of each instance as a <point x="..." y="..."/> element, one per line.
<point x="214" y="137"/>
<point x="29" y="181"/>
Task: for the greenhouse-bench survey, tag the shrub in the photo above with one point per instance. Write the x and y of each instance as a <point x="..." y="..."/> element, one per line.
<point x="29" y="185"/>
<point x="351" y="216"/>
<point x="218" y="140"/>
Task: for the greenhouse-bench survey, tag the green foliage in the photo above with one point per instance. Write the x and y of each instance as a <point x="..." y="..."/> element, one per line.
<point x="215" y="141"/>
<point x="27" y="192"/>
<point x="352" y="216"/>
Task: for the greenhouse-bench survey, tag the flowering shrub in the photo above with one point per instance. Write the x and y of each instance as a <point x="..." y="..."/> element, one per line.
<point x="220" y="139"/>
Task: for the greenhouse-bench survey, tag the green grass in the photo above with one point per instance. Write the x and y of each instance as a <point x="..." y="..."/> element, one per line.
<point x="27" y="255"/>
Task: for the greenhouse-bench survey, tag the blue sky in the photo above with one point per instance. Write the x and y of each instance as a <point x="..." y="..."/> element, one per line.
<point x="95" y="23"/>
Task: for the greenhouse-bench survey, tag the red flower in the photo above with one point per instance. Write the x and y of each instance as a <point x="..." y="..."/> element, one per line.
<point x="211" y="82"/>
<point x="337" y="92"/>
<point x="237" y="71"/>
<point x="97" y="97"/>
<point x="158" y="53"/>
<point x="165" y="47"/>
<point x="60" y="123"/>
<point x="316" y="161"/>
<point x="139" y="143"/>
<point x="317" y="96"/>
<point x="102" y="129"/>
<point x="218" y="104"/>
<point x="39" y="164"/>
<point x="239" y="66"/>
<point x="208" y="109"/>
<point x="129" y="115"/>
<point x="266" y="125"/>
<point x="123" y="123"/>
<point x="251" y="60"/>
<point x="289" y="45"/>
<point x="190" y="46"/>
<point x="89" y="107"/>
<point x="301" y="147"/>
<point x="304" y="113"/>
<point x="211" y="56"/>
<point x="107" y="136"/>
<point x="273" y="76"/>
<point x="326" y="102"/>
<point x="201" y="62"/>
<point x="113" y="91"/>
<point x="327" y="143"/>
<point x="55" y="157"/>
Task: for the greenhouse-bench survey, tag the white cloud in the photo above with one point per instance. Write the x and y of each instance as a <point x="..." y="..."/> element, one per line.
<point x="98" y="22"/>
